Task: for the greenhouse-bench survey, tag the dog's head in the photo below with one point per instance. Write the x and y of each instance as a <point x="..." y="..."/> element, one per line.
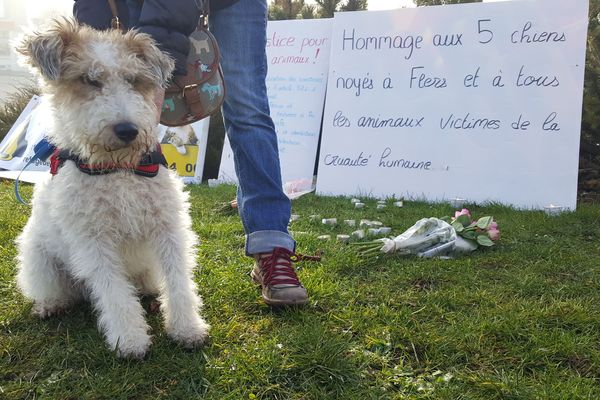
<point x="101" y="86"/>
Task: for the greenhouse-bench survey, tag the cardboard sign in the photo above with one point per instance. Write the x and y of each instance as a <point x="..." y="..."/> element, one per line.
<point x="298" y="59"/>
<point x="16" y="148"/>
<point x="480" y="101"/>
<point x="184" y="147"/>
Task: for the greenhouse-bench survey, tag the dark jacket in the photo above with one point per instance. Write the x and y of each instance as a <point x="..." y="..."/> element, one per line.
<point x="169" y="22"/>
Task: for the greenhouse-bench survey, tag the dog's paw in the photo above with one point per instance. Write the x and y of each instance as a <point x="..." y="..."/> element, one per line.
<point x="190" y="335"/>
<point x="132" y="347"/>
<point x="47" y="309"/>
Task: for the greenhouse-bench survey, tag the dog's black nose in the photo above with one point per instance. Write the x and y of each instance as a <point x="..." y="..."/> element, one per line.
<point x="126" y="131"/>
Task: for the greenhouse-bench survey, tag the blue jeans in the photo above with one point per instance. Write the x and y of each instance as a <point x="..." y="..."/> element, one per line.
<point x="263" y="206"/>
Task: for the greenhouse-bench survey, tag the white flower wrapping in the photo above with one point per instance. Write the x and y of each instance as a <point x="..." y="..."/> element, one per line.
<point x="424" y="237"/>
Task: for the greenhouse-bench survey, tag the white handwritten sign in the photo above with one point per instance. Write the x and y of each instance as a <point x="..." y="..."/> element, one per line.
<point x="478" y="101"/>
<point x="298" y="60"/>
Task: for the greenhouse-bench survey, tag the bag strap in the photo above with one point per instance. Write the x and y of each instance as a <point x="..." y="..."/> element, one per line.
<point x="115" y="23"/>
<point x="204" y="8"/>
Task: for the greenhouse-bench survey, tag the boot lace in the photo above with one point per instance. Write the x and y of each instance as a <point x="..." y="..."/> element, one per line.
<point x="276" y="268"/>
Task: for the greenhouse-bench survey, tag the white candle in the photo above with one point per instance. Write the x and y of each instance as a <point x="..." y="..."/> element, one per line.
<point x="359" y="234"/>
<point x="457" y="202"/>
<point x="385" y="230"/>
<point x="343" y="238"/>
<point x="553" y="210"/>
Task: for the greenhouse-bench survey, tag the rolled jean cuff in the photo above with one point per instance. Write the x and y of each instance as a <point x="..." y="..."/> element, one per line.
<point x="265" y="241"/>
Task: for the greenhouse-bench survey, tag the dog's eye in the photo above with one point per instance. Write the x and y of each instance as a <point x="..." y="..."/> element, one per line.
<point x="92" y="82"/>
<point x="131" y="80"/>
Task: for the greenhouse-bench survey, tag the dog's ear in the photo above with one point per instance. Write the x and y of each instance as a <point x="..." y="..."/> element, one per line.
<point x="160" y="65"/>
<point x="44" y="50"/>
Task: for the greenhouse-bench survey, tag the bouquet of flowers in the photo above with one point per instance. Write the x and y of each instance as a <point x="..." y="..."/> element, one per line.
<point x="431" y="237"/>
<point x="481" y="232"/>
<point x="427" y="234"/>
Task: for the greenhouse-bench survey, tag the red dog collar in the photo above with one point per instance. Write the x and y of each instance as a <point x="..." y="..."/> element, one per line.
<point x="148" y="166"/>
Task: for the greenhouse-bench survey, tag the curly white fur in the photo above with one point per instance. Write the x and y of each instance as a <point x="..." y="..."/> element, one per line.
<point x="108" y="238"/>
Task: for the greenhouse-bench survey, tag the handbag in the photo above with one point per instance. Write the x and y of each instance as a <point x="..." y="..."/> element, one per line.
<point x="201" y="91"/>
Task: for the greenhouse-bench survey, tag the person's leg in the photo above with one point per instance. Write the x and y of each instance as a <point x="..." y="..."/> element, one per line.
<point x="263" y="206"/>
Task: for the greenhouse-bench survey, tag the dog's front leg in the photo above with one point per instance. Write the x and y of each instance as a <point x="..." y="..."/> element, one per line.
<point x="121" y="316"/>
<point x="180" y="302"/>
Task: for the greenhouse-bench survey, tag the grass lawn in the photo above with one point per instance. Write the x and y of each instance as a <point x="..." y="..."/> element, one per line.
<point x="519" y="321"/>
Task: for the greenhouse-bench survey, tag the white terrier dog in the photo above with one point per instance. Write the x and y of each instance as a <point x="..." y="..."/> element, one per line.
<point x="103" y="227"/>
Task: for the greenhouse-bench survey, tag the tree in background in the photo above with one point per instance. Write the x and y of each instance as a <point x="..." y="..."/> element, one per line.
<point x="309" y="11"/>
<point x="285" y="9"/>
<point x="420" y="3"/>
<point x="590" y="127"/>
<point x="354" y="5"/>
<point x="293" y="9"/>
<point x="327" y="7"/>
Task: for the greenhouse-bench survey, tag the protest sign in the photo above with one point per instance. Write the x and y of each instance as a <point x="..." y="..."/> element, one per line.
<point x="298" y="59"/>
<point x="479" y="101"/>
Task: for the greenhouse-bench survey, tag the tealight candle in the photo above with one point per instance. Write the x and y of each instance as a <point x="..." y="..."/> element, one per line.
<point x="343" y="238"/>
<point x="365" y="223"/>
<point x="457" y="202"/>
<point x="373" y="231"/>
<point x="359" y="234"/>
<point x="553" y="210"/>
<point x="385" y="230"/>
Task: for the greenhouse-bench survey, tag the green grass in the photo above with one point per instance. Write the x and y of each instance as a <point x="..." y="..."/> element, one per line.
<point x="520" y="321"/>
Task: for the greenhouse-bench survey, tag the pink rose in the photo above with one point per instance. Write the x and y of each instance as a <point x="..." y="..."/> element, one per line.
<point x="464" y="211"/>
<point x="493" y="226"/>
<point x="494" y="234"/>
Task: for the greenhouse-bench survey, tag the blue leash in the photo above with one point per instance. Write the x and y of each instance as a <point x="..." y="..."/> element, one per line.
<point x="41" y="151"/>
